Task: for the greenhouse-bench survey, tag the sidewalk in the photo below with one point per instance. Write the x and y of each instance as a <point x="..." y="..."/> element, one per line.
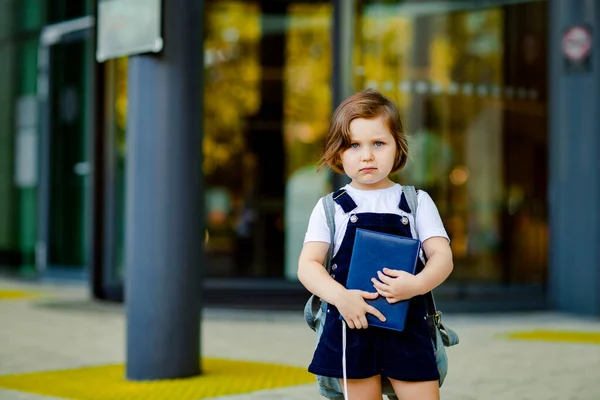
<point x="54" y="328"/>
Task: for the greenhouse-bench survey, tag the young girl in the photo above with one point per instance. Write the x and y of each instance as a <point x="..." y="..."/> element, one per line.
<point x="366" y="141"/>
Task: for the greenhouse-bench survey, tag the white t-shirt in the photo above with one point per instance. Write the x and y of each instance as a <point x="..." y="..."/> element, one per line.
<point x="382" y="201"/>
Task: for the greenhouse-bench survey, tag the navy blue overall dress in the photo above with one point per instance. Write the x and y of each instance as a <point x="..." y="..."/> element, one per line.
<point x="405" y="356"/>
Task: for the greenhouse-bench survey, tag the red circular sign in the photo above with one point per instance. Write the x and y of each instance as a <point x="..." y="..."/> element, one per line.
<point x="577" y="43"/>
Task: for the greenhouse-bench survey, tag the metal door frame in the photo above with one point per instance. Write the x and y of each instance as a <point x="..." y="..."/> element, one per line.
<point x="51" y="35"/>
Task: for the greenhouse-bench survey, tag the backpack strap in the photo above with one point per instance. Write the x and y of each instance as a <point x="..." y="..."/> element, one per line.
<point x="433" y="317"/>
<point x="314" y="303"/>
<point x="329" y="206"/>
<point x="410" y="194"/>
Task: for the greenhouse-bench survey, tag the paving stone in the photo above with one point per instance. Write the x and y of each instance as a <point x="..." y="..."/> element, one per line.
<point x="63" y="328"/>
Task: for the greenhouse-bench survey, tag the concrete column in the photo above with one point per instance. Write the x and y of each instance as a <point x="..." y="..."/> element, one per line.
<point x="164" y="207"/>
<point x="574" y="124"/>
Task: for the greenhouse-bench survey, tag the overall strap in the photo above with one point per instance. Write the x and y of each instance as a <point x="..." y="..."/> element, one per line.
<point x="404" y="206"/>
<point x="344" y="200"/>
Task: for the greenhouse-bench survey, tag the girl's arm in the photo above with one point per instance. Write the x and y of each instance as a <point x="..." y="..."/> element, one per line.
<point x="315" y="278"/>
<point x="396" y="285"/>
<point x="439" y="264"/>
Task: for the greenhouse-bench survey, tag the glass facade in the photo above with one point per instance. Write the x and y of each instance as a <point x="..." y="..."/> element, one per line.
<point x="22" y="147"/>
<point x="266" y="107"/>
<point x="20" y="22"/>
<point x="269" y="63"/>
<point x="470" y="80"/>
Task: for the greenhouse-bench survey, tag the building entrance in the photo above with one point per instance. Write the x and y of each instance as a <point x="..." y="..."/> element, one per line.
<point x="64" y="80"/>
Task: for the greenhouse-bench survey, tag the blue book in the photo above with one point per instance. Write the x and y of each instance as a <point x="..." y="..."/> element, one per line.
<point x="372" y="252"/>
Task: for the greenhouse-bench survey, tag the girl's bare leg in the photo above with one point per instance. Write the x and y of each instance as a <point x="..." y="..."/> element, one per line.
<point x="364" y="389"/>
<point x="416" y="390"/>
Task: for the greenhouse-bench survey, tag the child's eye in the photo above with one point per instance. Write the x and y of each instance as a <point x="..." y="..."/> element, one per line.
<point x="354" y="145"/>
<point x="378" y="144"/>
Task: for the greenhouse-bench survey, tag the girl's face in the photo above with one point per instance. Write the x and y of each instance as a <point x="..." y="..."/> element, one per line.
<point x="371" y="155"/>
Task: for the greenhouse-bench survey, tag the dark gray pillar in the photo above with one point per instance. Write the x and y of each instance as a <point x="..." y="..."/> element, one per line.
<point x="342" y="76"/>
<point x="574" y="276"/>
<point x="164" y="201"/>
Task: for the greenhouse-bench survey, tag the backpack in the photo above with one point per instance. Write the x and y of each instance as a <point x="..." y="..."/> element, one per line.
<point x="315" y="312"/>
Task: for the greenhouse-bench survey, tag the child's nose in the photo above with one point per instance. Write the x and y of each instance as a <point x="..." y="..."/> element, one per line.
<point x="366" y="154"/>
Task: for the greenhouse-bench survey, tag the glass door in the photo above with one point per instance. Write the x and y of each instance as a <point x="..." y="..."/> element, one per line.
<point x="270" y="64"/>
<point x="65" y="66"/>
<point x="471" y="81"/>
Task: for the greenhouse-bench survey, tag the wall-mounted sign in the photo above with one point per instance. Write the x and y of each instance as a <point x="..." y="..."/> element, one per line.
<point x="127" y="27"/>
<point x="576" y="47"/>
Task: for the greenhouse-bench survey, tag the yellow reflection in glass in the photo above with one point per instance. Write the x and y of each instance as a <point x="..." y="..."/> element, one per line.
<point x="459" y="175"/>
<point x="383" y="51"/>
<point x="231" y="79"/>
<point x="307" y="76"/>
<point x="120" y="106"/>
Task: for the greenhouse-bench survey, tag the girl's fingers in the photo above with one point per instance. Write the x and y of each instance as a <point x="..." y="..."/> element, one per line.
<point x="378" y="284"/>
<point x="358" y="323"/>
<point x="384" y="293"/>
<point x="369" y="295"/>
<point x="363" y="322"/>
<point x="377" y="313"/>
<point x="393" y="272"/>
<point x="384" y="278"/>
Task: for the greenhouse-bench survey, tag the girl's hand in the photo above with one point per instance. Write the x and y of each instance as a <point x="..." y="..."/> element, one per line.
<point x="396" y="285"/>
<point x="353" y="307"/>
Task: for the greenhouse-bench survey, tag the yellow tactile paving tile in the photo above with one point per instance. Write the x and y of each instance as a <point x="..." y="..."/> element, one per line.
<point x="219" y="378"/>
<point x="557" y="336"/>
<point x="10" y="294"/>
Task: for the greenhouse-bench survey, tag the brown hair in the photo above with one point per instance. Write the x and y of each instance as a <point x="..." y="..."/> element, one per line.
<point x="367" y="104"/>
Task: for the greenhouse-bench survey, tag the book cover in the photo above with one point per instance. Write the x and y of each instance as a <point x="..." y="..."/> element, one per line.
<point x="372" y="252"/>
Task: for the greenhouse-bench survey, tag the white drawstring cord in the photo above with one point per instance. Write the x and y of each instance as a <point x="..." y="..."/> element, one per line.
<point x="344" y="359"/>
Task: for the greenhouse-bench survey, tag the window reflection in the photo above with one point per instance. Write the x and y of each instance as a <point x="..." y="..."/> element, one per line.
<point x="232" y="77"/>
<point x="267" y="105"/>
<point x="306" y="120"/>
<point x="471" y="84"/>
<point x="307" y="83"/>
<point x="115" y="137"/>
<point x="266" y="108"/>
